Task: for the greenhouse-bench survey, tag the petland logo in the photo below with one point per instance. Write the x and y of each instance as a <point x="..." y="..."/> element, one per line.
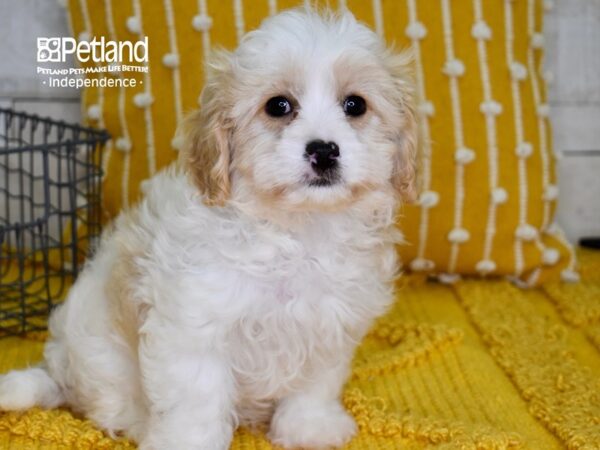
<point x="56" y="49"/>
<point x="96" y="56"/>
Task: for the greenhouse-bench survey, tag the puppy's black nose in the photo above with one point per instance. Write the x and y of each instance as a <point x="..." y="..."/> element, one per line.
<point x="322" y="155"/>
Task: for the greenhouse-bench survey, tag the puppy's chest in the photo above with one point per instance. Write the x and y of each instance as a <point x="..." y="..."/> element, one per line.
<point x="304" y="317"/>
<point x="301" y="304"/>
<point x="320" y="263"/>
<point x="282" y="349"/>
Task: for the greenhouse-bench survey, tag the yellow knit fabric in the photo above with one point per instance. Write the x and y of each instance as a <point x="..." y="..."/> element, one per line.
<point x="478" y="365"/>
<point x="487" y="169"/>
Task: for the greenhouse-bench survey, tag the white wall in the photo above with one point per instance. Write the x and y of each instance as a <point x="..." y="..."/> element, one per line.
<point x="21" y="23"/>
<point x="573" y="56"/>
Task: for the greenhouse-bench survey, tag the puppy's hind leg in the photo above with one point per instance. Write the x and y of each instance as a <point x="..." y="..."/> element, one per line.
<point x="23" y="389"/>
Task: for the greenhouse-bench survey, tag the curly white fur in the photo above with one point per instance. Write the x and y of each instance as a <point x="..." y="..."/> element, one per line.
<point x="236" y="292"/>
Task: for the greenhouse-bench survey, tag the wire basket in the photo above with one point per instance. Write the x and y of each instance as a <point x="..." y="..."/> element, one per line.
<point x="49" y="213"/>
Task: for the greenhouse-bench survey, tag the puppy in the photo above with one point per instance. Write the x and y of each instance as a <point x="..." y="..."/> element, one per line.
<point x="237" y="291"/>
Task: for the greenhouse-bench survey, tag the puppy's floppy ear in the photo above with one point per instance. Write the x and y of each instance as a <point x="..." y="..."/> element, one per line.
<point x="405" y="164"/>
<point x="206" y="152"/>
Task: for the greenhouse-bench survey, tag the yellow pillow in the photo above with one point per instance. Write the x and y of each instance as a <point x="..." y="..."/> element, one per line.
<point x="487" y="171"/>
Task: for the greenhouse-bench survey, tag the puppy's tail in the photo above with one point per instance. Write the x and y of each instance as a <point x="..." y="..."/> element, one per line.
<point x="23" y="389"/>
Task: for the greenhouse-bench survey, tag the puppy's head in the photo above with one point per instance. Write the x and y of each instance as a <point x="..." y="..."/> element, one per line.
<point x="311" y="112"/>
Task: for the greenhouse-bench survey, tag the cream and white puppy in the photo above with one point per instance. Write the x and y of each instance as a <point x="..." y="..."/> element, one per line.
<point x="237" y="291"/>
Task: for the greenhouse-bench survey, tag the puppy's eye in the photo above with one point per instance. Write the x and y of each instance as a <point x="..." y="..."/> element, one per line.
<point x="355" y="106"/>
<point x="278" y="107"/>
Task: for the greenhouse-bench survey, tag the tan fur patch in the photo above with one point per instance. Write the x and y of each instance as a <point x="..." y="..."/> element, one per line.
<point x="368" y="80"/>
<point x="205" y="155"/>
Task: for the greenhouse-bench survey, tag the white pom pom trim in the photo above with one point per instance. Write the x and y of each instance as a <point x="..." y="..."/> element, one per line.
<point x="143" y="100"/>
<point x="570" y="276"/>
<point x="481" y="30"/>
<point x="177" y="143"/>
<point x="429" y="199"/>
<point x="202" y="22"/>
<point x="550" y="193"/>
<point x="454" y="68"/>
<point x="123" y="144"/>
<point x="524" y="150"/>
<point x="421" y="265"/>
<point x="485" y="266"/>
<point x="133" y="24"/>
<point x="543" y="110"/>
<point x="427" y="108"/>
<point x="458" y="236"/>
<point x="464" y="155"/>
<point x="491" y="108"/>
<point x="518" y="71"/>
<point x="499" y="195"/>
<point x="416" y="30"/>
<point x="94" y="112"/>
<point x="170" y="60"/>
<point x="550" y="256"/>
<point x="448" y="278"/>
<point x="537" y="40"/>
<point x="526" y="232"/>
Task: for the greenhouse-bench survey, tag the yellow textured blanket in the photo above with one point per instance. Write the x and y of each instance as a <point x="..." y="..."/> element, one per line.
<point x="478" y="365"/>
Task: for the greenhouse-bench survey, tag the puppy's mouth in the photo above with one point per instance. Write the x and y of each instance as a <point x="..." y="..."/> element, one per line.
<point x="326" y="179"/>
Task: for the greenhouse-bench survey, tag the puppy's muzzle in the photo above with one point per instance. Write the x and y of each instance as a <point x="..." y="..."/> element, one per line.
<point x="323" y="156"/>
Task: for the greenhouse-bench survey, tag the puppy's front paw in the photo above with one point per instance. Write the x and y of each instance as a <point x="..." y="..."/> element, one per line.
<point x="179" y="432"/>
<point x="191" y="440"/>
<point x="311" y="426"/>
